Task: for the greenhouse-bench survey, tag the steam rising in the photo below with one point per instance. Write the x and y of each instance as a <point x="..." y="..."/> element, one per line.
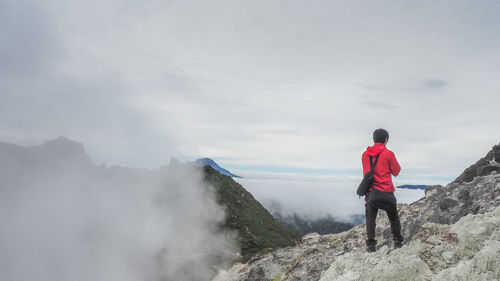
<point x="64" y="219"/>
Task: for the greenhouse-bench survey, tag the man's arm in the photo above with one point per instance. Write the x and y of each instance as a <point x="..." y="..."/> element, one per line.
<point x="394" y="165"/>
<point x="365" y="160"/>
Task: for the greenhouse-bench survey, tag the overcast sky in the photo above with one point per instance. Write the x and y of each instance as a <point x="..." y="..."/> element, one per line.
<point x="260" y="86"/>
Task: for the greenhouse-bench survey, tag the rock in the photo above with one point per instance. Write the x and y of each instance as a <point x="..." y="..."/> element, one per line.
<point x="467" y="250"/>
<point x="464" y="195"/>
<point x="447" y="203"/>
<point x="488" y="169"/>
<point x="433" y="191"/>
<point x="311" y="237"/>
<point x="496" y="153"/>
<point x="256" y="274"/>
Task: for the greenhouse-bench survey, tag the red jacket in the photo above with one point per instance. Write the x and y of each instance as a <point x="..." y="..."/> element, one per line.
<point x="386" y="165"/>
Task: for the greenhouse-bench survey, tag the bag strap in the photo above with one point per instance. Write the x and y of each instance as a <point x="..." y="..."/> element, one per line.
<point x="372" y="165"/>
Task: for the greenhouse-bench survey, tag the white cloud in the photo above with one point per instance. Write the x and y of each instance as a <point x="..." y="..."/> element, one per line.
<point x="280" y="83"/>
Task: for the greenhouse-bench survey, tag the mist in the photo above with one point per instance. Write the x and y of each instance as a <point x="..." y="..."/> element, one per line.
<point x="315" y="197"/>
<point x="62" y="218"/>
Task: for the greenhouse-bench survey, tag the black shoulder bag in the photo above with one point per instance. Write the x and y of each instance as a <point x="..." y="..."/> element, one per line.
<point x="367" y="181"/>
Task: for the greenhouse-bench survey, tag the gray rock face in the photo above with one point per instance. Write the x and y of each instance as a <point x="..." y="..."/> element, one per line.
<point x="447" y="203"/>
<point x="488" y="169"/>
<point x="496" y="153"/>
<point x="466" y="250"/>
<point x="422" y="222"/>
<point x="491" y="158"/>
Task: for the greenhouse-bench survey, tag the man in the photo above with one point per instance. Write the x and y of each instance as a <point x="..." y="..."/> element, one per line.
<point x="381" y="194"/>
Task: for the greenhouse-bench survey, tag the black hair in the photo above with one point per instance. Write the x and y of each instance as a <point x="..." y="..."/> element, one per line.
<point x="379" y="135"/>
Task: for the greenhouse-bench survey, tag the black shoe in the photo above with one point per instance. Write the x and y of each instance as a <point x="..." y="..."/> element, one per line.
<point x="371" y="248"/>
<point x="398" y="244"/>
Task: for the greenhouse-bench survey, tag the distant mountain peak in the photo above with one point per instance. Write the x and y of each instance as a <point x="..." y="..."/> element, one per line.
<point x="62" y="139"/>
<point x="413" y="186"/>
<point x="209" y="162"/>
<point x="65" y="143"/>
<point x="59" y="152"/>
<point x="65" y="146"/>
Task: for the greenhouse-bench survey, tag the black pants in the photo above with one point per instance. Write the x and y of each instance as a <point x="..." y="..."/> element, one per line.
<point x="386" y="201"/>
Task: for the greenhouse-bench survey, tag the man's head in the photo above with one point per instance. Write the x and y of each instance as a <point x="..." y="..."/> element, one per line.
<point x="380" y="135"/>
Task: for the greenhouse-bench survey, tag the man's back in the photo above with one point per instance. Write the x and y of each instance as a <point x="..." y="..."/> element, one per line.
<point x="386" y="165"/>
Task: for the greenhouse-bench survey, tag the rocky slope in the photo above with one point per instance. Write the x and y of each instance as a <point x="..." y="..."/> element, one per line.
<point x="482" y="167"/>
<point x="466" y="250"/>
<point x="432" y="221"/>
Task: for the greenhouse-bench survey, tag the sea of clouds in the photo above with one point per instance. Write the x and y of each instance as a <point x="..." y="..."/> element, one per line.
<point x="315" y="196"/>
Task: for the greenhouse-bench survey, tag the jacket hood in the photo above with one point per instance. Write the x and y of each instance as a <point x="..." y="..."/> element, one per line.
<point x="376" y="149"/>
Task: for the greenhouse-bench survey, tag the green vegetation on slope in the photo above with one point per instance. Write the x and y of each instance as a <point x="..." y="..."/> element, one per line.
<point x="258" y="230"/>
<point x="324" y="225"/>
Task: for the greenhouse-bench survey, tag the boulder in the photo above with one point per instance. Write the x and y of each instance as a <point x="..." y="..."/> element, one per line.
<point x="486" y="170"/>
<point x="433" y="192"/>
<point x="447" y="203"/>
<point x="496" y="153"/>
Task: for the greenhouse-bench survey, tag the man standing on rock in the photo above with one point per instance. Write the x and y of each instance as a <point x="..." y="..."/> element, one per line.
<point x="381" y="194"/>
